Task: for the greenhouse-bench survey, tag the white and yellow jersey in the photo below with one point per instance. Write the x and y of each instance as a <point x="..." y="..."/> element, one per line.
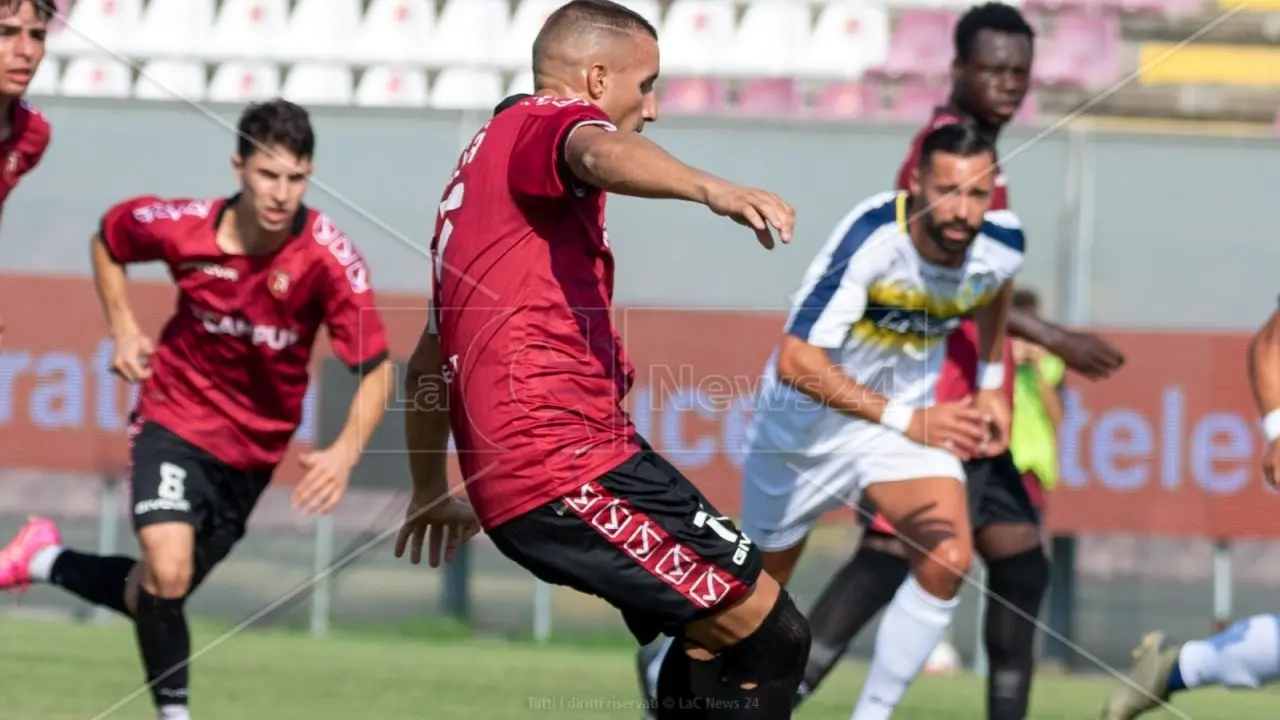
<point x="882" y="311"/>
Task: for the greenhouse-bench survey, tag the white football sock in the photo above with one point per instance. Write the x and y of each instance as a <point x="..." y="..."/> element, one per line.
<point x="1244" y="655"/>
<point x="912" y="626"/>
<point x="173" y="712"/>
<point x="655" y="666"/>
<point x="41" y="565"/>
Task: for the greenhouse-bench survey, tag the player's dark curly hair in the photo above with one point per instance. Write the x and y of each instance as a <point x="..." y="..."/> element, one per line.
<point x="961" y="139"/>
<point x="45" y="9"/>
<point x="276" y="122"/>
<point x="993" y="16"/>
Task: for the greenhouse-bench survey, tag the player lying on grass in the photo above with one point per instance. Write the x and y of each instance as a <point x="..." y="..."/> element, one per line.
<point x="258" y="275"/>
<point x="521" y="331"/>
<point x="1247" y="654"/>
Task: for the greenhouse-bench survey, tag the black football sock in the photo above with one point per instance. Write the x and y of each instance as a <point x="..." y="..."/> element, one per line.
<point x="165" y="644"/>
<point x="675" y="698"/>
<point x="859" y="590"/>
<point x="1021" y="581"/>
<point x="99" y="579"/>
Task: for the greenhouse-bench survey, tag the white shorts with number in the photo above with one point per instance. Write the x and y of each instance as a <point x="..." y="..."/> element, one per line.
<point x="794" y="474"/>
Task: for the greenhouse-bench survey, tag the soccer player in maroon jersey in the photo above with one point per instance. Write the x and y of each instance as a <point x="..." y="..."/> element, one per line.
<point x="521" y="333"/>
<point x="991" y="75"/>
<point x="258" y="275"/>
<point x="24" y="131"/>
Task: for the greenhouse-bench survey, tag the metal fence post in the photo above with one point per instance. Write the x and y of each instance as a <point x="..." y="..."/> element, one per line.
<point x="109" y="504"/>
<point x="541" y="612"/>
<point x="456" y="597"/>
<point x="1222" y="581"/>
<point x="322" y="589"/>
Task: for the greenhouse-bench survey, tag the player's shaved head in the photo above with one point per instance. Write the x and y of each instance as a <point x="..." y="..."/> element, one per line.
<point x="601" y="52"/>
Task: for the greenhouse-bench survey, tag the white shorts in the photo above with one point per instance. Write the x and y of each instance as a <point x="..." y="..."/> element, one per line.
<point x="786" y="489"/>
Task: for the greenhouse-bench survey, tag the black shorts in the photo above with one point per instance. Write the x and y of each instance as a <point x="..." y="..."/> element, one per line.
<point x="175" y="481"/>
<point x="644" y="539"/>
<point x="997" y="495"/>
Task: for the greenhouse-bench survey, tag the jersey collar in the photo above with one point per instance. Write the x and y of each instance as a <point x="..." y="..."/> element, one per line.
<point x="299" y="220"/>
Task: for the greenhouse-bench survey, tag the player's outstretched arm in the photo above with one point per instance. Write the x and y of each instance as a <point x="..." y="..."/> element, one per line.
<point x="630" y="164"/>
<point x="1083" y="352"/>
<point x="997" y="415"/>
<point x="329" y="470"/>
<point x="809" y="369"/>
<point x="433" y="515"/>
<point x="132" y="346"/>
<point x="1264" y="379"/>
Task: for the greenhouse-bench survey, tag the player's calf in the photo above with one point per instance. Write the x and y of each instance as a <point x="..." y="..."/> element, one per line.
<point x="160" y="622"/>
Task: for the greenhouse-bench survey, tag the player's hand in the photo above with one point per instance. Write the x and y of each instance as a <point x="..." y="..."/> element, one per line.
<point x="328" y="474"/>
<point x="997" y="422"/>
<point x="1090" y="355"/>
<point x="446" y="520"/>
<point x="131" y="359"/>
<point x="955" y="427"/>
<point x="759" y="210"/>
<point x="1270" y="462"/>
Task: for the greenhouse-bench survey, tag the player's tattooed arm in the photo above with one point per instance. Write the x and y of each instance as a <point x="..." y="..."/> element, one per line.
<point x="992" y="319"/>
<point x="630" y="164"/>
<point x="810" y="369"/>
<point x="1083" y="352"/>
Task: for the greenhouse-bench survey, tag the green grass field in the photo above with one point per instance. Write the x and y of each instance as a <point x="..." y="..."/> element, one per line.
<point x="61" y="671"/>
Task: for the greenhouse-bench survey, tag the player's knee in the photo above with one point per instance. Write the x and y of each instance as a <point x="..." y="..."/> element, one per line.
<point x="775" y="654"/>
<point x="168" y="576"/>
<point x="944" y="567"/>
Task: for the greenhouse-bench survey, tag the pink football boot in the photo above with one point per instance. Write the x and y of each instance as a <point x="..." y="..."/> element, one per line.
<point x="15" y="558"/>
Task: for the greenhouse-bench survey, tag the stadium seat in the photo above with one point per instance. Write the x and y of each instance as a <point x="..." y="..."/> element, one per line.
<point x="45" y="81"/>
<point x="526" y="21"/>
<point x="392" y="86"/>
<point x="249" y="29"/>
<point x="163" y="79"/>
<point x="915" y="103"/>
<point x="648" y="9"/>
<point x="243" y="81"/>
<point x="521" y="83"/>
<point x="102" y="77"/>
<point x="921" y="47"/>
<point x="769" y="40"/>
<point x="321" y="30"/>
<point x="696" y="36"/>
<point x="318" y="84"/>
<point x="467" y="89"/>
<point x="175" y="28"/>
<point x="1082" y="52"/>
<point x="844" y="100"/>
<point x="395" y="32"/>
<point x="693" y="96"/>
<point x="468" y="33"/>
<point x="769" y="97"/>
<point x="98" y="27"/>
<point x="849" y="39"/>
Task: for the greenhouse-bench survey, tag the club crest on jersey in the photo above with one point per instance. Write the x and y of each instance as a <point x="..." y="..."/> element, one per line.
<point x="279" y="283"/>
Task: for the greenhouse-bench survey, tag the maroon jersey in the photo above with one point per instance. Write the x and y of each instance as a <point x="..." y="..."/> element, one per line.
<point x="523" y="294"/>
<point x="29" y="134"/>
<point x="232" y="365"/>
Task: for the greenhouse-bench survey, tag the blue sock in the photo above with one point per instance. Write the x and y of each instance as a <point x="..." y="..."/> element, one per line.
<point x="1175" y="679"/>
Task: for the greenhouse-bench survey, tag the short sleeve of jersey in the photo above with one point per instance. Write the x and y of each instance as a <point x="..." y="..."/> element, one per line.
<point x="35" y="141"/>
<point x="130" y="233"/>
<point x="356" y="331"/>
<point x="828" y="306"/>
<point x="537" y="169"/>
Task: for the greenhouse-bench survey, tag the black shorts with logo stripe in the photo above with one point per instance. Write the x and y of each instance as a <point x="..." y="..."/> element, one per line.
<point x="644" y="539"/>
